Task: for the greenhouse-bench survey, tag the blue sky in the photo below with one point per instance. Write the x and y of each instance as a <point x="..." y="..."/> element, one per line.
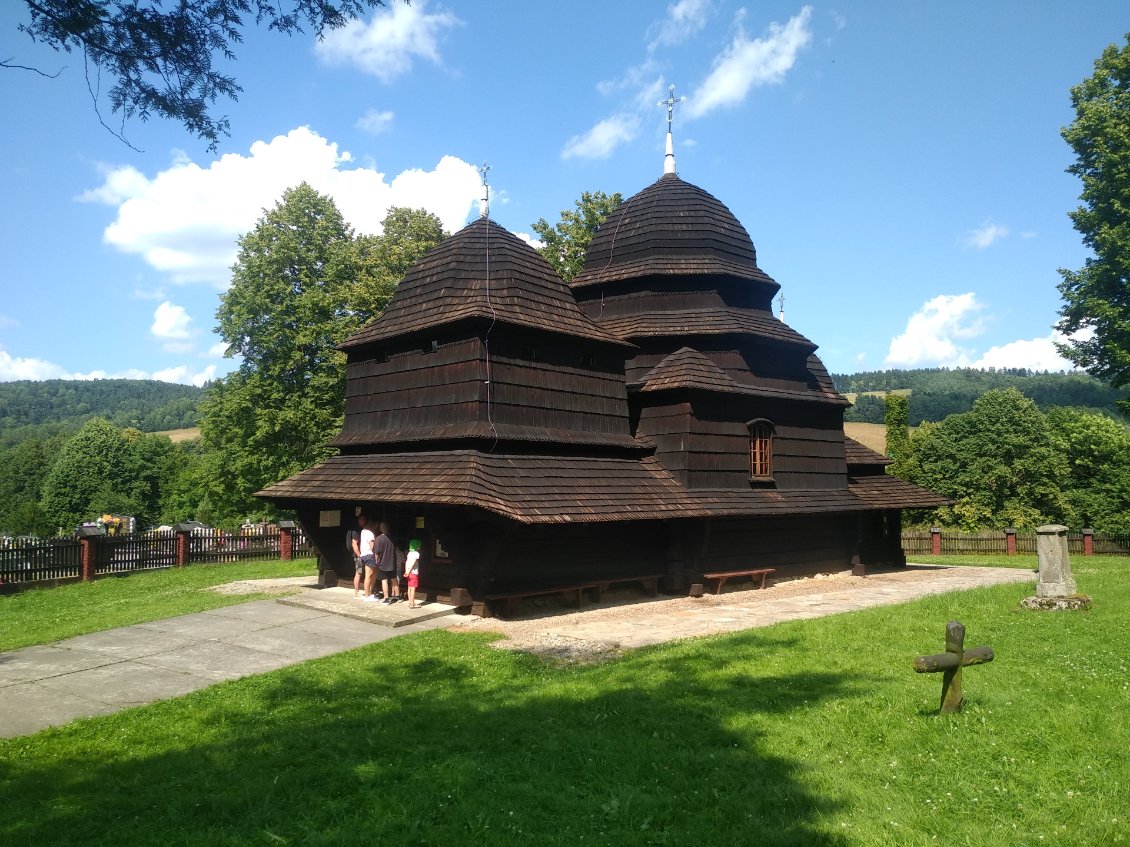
<point x="898" y="165"/>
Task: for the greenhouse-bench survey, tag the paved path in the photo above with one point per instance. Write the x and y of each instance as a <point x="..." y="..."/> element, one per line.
<point x="104" y="672"/>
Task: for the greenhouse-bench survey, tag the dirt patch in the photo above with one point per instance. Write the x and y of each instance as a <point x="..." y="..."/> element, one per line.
<point x="282" y="585"/>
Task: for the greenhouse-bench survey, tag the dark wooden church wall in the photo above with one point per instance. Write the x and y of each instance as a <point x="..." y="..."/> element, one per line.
<point x="558" y="391"/>
<point x="416" y="388"/>
<point x="793" y="545"/>
<point x="668" y="427"/>
<point x="569" y="553"/>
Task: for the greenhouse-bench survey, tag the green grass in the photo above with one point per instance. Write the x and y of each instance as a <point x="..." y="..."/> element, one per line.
<point x="43" y="615"/>
<point x="813" y="732"/>
<point x="1025" y="560"/>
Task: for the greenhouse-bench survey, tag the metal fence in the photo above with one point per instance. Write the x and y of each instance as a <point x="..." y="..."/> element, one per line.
<point x="954" y="543"/>
<point x="26" y="560"/>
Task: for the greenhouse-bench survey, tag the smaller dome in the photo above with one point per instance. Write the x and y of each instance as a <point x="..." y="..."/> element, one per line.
<point x="670" y="228"/>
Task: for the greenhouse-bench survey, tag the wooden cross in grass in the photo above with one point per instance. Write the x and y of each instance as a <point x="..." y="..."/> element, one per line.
<point x="950" y="664"/>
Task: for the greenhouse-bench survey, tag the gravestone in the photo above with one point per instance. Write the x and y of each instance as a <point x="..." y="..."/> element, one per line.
<point x="950" y="663"/>
<point x="1056" y="590"/>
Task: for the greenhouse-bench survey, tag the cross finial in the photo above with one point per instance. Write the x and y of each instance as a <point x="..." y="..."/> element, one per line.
<point x="484" y="203"/>
<point x="669" y="103"/>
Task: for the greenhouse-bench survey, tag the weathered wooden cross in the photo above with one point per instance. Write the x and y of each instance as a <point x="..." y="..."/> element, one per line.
<point x="950" y="664"/>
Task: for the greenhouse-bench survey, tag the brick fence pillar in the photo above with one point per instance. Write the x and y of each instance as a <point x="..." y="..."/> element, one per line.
<point x="1010" y="541"/>
<point x="1088" y="542"/>
<point x="88" y="537"/>
<point x="184" y="544"/>
<point x="935" y="541"/>
<point x="286" y="540"/>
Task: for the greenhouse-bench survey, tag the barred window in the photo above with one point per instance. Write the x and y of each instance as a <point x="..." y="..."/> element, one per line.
<point x="760" y="449"/>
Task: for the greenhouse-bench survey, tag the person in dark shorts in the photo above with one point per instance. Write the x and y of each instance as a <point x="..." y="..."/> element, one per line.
<point x="385" y="552"/>
<point x="353" y="542"/>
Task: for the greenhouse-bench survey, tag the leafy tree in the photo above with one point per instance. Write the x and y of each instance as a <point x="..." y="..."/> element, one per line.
<point x="898" y="433"/>
<point x="23" y="468"/>
<point x="1097" y="297"/>
<point x="161" y="60"/>
<point x="383" y="260"/>
<point x="564" y="245"/>
<point x="1097" y="451"/>
<point x="997" y="461"/>
<point x="285" y="313"/>
<point x="867" y="408"/>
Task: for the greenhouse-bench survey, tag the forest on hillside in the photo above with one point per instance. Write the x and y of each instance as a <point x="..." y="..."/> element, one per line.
<point x="43" y="408"/>
<point x="936" y="393"/>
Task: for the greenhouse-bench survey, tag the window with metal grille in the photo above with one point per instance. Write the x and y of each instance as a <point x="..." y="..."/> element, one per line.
<point x="760" y="449"/>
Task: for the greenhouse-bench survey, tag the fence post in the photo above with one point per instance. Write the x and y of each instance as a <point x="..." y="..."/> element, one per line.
<point x="1088" y="542"/>
<point x="1010" y="541"/>
<point x="286" y="540"/>
<point x="936" y="540"/>
<point x="88" y="550"/>
<point x="184" y="545"/>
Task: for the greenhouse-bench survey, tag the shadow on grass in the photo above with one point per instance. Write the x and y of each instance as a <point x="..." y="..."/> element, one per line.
<point x="437" y="739"/>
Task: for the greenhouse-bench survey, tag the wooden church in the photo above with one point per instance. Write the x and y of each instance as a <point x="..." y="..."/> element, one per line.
<point x="653" y="419"/>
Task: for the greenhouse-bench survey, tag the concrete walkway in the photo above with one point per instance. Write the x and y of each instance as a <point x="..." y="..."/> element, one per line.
<point x="104" y="672"/>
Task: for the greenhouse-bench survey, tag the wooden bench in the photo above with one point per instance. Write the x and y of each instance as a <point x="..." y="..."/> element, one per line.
<point x="509" y="598"/>
<point x="650" y="583"/>
<point x="725" y="575"/>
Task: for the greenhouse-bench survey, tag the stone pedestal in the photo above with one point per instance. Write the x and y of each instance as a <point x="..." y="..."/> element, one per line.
<point x="1056" y="590"/>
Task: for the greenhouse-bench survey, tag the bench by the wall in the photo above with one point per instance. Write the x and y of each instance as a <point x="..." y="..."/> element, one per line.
<point x="722" y="576"/>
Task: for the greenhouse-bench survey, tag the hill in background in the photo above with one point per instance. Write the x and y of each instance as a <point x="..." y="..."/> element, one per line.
<point x="936" y="393"/>
<point x="41" y="408"/>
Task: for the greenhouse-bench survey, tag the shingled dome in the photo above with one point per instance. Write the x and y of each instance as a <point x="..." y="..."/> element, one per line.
<point x="671" y="228"/>
<point x="485" y="272"/>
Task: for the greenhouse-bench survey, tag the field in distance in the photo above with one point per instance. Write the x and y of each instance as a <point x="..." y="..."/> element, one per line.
<point x="868" y="434"/>
<point x="193" y="432"/>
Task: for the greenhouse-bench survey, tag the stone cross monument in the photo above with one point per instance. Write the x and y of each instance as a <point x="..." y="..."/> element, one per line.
<point x="1056" y="589"/>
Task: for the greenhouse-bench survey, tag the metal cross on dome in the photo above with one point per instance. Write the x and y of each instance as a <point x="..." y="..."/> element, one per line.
<point x="670" y="103"/>
<point x="669" y="156"/>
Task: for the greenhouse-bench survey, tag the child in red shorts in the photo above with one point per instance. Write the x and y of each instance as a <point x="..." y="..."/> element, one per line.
<point x="412" y="572"/>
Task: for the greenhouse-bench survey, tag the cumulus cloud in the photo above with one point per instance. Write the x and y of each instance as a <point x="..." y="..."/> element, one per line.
<point x="185" y="220"/>
<point x="600" y="141"/>
<point x="375" y="122"/>
<point x="389" y="44"/>
<point x="747" y="63"/>
<point x="20" y="367"/>
<point x="1037" y="354"/>
<point x="984" y="236"/>
<point x="934" y="334"/>
<point x="171" y="325"/>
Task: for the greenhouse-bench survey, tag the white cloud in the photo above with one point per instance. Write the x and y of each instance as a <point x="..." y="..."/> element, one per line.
<point x="375" y="122"/>
<point x="747" y="63"/>
<point x="18" y="367"/>
<point x="933" y="333"/>
<point x="185" y="375"/>
<point x="391" y="42"/>
<point x="684" y="19"/>
<point x="602" y="139"/>
<point x="1037" y="354"/>
<point x="171" y="321"/>
<point x="184" y="221"/>
<point x="217" y="350"/>
<point x="984" y="236"/>
<point x="532" y="240"/>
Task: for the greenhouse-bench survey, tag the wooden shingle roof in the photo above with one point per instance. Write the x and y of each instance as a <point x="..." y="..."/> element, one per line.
<point x="482" y="272"/>
<point x="671" y="228"/>
<point x="860" y="454"/>
<point x="687" y="368"/>
<point x="544" y="489"/>
<point x="881" y="491"/>
<point x="716" y="321"/>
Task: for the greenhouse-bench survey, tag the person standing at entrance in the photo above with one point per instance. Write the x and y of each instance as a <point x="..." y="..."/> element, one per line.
<point x="412" y="571"/>
<point x="368" y="558"/>
<point x="385" y="552"/>
<point x="353" y="542"/>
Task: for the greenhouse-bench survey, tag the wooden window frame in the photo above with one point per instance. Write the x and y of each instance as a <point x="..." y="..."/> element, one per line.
<point x="761" y="435"/>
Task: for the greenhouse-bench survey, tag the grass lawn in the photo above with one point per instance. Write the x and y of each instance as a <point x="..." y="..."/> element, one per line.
<point x="43" y="615"/>
<point x="813" y="732"/>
